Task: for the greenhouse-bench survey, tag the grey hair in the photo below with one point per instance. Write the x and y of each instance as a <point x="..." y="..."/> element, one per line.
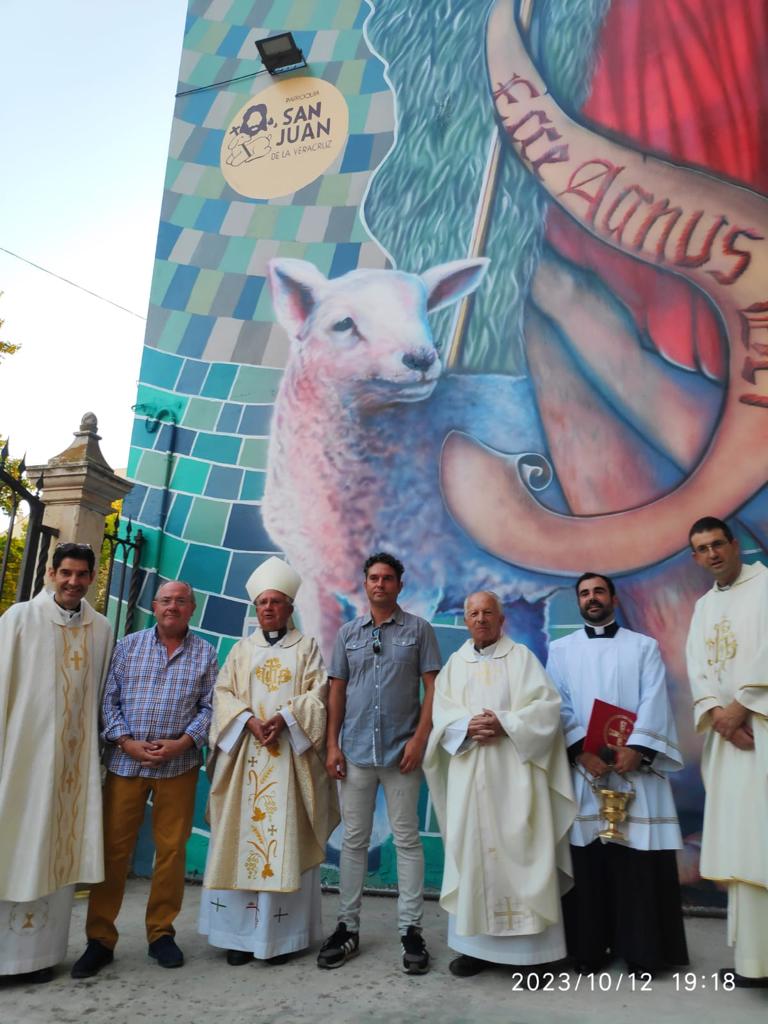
<point x="488" y="593"/>
<point x="180" y="583"/>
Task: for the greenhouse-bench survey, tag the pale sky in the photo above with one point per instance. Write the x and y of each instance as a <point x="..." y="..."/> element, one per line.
<point x="87" y="92"/>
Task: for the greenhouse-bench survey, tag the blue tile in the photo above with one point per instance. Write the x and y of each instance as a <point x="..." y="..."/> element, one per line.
<point x="166" y="239"/>
<point x="133" y="501"/>
<point x="155" y="506"/>
<point x="373" y="78"/>
<point x="180" y="288"/>
<point x="224" y="616"/>
<point x="180" y="444"/>
<point x="211" y="215"/>
<point x="256" y="420"/>
<point x="195" y="108"/>
<point x="357" y="155"/>
<point x="233" y="41"/>
<point x="209" y="152"/>
<point x="196" y="335"/>
<point x="345" y="258"/>
<point x="224" y="483"/>
<point x="177" y="517"/>
<point x="217" y="448"/>
<point x="204" y="567"/>
<point x="249" y="296"/>
<point x="218" y="383"/>
<point x="253" y="486"/>
<point x="140" y="436"/>
<point x="191" y="377"/>
<point x="159" y="368"/>
<point x="240" y="568"/>
<point x="246" y="531"/>
<point x="229" y="418"/>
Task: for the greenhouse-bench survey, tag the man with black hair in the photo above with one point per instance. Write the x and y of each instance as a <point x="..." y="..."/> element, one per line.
<point x="626" y="896"/>
<point x="377" y="733"/>
<point x="54" y="654"/>
<point x="727" y="656"/>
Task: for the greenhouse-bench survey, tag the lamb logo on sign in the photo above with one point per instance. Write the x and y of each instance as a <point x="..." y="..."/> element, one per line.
<point x="284" y="137"/>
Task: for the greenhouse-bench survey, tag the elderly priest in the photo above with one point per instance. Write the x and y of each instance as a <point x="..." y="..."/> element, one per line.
<point x="272" y="805"/>
<point x="499" y="778"/>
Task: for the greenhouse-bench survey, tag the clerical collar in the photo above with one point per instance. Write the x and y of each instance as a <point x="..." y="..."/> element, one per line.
<point x="67" y="614"/>
<point x="486" y="652"/>
<point x="273" y="635"/>
<point x="606" y="632"/>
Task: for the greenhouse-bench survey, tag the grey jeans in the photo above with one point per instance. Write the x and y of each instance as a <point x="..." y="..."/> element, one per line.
<point x="358" y="801"/>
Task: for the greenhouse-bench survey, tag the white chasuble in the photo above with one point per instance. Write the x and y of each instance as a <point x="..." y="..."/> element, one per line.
<point x="52" y="666"/>
<point x="504" y="807"/>
<point x="34" y="935"/>
<point x="625" y="670"/>
<point x="271" y="808"/>
<point x="727" y="655"/>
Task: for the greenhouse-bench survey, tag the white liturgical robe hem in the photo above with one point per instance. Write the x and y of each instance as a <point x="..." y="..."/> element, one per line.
<point x="517" y="950"/>
<point x="625" y="670"/>
<point x="34" y="935"/>
<point x="263" y="923"/>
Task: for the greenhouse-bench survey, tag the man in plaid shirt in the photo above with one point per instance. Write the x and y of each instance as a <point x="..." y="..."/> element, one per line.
<point x="156" y="714"/>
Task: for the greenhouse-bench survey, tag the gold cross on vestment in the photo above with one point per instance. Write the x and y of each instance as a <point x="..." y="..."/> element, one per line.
<point x="510" y="913"/>
<point x="76" y="659"/>
<point x="29" y="920"/>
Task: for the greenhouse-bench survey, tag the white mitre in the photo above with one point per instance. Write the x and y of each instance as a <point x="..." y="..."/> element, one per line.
<point x="274" y="574"/>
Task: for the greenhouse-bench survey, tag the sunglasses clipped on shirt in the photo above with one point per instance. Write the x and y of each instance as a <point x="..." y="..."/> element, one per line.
<point x="376" y="637"/>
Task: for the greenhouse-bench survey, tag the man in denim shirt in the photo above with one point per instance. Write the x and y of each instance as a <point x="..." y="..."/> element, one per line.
<point x="378" y="662"/>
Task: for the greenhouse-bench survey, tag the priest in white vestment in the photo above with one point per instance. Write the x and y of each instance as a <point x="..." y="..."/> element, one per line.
<point x="272" y="805"/>
<point x="727" y="656"/>
<point x="54" y="655"/>
<point x="500" y="782"/>
<point x="626" y="896"/>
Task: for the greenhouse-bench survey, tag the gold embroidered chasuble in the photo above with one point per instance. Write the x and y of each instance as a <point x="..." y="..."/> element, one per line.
<point x="727" y="655"/>
<point x="52" y="669"/>
<point x="271" y="809"/>
<point x="504" y="808"/>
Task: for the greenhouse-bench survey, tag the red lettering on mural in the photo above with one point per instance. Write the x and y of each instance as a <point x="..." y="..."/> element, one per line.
<point x="660" y="209"/>
<point x="506" y="88"/>
<point x="582" y="177"/>
<point x="554" y="155"/>
<point x="744" y="257"/>
<point x="618" y="229"/>
<point x="754" y="318"/>
<point x="680" y="256"/>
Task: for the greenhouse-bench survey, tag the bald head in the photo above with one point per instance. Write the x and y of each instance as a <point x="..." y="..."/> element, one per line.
<point x="484" y="616"/>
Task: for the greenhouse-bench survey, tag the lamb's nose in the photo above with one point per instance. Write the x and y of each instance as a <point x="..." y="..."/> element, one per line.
<point x="421" y="360"/>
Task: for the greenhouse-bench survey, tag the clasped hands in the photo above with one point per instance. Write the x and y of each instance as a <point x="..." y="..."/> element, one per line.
<point x="730" y="722"/>
<point x="626" y="759"/>
<point x="266" y="732"/>
<point x="485" y="727"/>
<point x="151" y="753"/>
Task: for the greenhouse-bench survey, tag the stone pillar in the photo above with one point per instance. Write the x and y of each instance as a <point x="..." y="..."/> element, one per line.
<point x="79" y="487"/>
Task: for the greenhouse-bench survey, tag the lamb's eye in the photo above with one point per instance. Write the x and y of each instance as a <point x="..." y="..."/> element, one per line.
<point x="347" y="324"/>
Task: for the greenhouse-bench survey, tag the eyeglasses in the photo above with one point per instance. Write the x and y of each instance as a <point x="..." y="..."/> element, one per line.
<point x="166" y="601"/>
<point x="71" y="546"/>
<point x="376" y="635"/>
<point x="714" y="547"/>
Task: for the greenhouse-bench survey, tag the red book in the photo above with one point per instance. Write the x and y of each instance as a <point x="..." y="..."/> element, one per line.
<point x="609" y="726"/>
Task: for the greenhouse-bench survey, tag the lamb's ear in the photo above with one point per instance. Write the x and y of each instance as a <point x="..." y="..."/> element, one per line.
<point x="452" y="281"/>
<point x="296" y="286"/>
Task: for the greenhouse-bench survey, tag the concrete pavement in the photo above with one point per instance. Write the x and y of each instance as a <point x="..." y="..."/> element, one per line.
<point x="370" y="988"/>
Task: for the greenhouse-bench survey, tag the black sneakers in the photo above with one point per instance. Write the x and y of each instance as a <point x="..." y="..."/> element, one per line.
<point x="415" y="955"/>
<point x="93" y="959"/>
<point x="340" y="947"/>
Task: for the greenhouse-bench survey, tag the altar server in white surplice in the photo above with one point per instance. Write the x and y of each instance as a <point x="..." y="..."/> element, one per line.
<point x="728" y="669"/>
<point x="626" y="897"/>
<point x="54" y="654"/>
<point x="499" y="778"/>
<point x="272" y="805"/>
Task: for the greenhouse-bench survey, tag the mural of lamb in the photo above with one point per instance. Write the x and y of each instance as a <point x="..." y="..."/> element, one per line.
<point x="357" y="430"/>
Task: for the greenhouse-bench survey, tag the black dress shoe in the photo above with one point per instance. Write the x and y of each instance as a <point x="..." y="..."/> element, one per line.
<point x="39" y="977"/>
<point x="466" y="966"/>
<point x="281" y="958"/>
<point x="166" y="952"/>
<point x="740" y="981"/>
<point x="238" y="957"/>
<point x="93" y="959"/>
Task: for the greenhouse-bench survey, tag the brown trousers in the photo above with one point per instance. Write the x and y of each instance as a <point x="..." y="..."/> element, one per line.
<point x="173" y="803"/>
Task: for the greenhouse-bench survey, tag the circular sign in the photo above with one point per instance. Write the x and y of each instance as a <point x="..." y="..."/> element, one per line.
<point x="284" y="137"/>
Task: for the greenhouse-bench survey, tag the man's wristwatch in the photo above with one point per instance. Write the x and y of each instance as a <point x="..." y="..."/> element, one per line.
<point x="122" y="740"/>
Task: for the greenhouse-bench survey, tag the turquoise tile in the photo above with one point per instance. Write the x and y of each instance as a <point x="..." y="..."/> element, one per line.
<point x="217" y="448"/>
<point x="160" y="368"/>
<point x="206" y="521"/>
<point x="253" y="486"/>
<point x="204" y="568"/>
<point x="189" y="475"/>
<point x="256" y="384"/>
<point x="219" y="381"/>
